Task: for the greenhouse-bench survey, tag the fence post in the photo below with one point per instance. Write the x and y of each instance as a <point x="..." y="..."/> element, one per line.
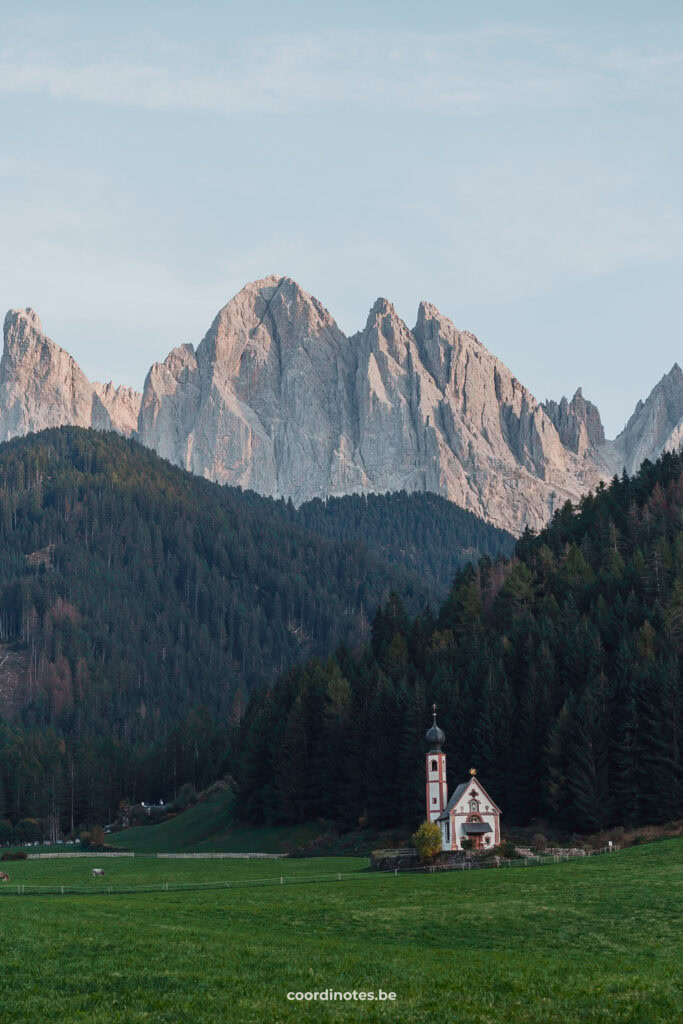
<point x="282" y="881"/>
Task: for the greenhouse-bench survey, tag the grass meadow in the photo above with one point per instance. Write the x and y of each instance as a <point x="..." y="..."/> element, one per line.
<point x="210" y="827"/>
<point x="594" y="940"/>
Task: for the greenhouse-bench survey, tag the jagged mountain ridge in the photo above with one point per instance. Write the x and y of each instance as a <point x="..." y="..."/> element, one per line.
<point x="277" y="399"/>
<point x="656" y="426"/>
<point x="41" y="386"/>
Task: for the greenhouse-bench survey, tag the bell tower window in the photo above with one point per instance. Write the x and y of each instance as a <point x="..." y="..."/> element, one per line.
<point x="435" y="766"/>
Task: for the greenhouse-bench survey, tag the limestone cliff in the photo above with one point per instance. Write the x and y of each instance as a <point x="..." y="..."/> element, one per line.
<point x="42" y="386"/>
<point x="577" y="422"/>
<point x="276" y="398"/>
<point x="656" y="426"/>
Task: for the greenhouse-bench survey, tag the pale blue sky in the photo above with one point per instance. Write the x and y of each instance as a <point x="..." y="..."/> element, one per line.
<point x="518" y="164"/>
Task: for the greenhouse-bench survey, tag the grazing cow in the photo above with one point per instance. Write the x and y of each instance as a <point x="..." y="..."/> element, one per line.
<point x="98" y="872"/>
<point x="4" y="877"/>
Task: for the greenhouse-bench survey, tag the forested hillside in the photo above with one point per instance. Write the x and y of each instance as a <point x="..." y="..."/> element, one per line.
<point x="425" y="533"/>
<point x="556" y="673"/>
<point x="140" y="605"/>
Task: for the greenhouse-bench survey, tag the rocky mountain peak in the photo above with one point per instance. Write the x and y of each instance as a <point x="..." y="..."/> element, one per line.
<point x="276" y="398"/>
<point x="20" y="320"/>
<point x="42" y="386"/>
<point x="656" y="426"/>
<point x="122" y="404"/>
<point x="577" y="422"/>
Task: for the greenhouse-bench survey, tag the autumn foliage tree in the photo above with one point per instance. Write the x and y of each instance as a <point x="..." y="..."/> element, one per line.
<point x="427" y="841"/>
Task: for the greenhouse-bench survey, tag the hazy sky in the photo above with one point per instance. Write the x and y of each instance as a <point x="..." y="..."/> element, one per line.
<point x="518" y="164"/>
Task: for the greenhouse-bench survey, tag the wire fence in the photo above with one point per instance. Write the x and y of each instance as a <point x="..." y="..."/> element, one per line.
<point x="58" y="855"/>
<point x="101" y="887"/>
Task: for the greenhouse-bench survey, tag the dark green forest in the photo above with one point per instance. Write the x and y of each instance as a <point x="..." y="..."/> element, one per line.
<point x="423" y="532"/>
<point x="557" y="674"/>
<point x="140" y="606"/>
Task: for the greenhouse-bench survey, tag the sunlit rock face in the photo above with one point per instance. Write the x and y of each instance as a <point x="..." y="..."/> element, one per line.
<point x="656" y="426"/>
<point x="276" y="398"/>
<point x="42" y="386"/>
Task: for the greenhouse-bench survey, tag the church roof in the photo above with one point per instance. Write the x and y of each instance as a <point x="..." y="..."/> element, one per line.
<point x="435" y="736"/>
<point x="458" y="792"/>
<point x="476" y="827"/>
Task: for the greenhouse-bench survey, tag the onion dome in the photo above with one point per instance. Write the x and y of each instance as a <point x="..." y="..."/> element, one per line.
<point x="435" y="736"/>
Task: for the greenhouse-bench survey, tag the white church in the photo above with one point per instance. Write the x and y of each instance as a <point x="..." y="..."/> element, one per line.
<point x="470" y="813"/>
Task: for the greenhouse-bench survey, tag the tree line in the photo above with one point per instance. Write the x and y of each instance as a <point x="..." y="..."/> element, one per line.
<point x="140" y="606"/>
<point x="557" y="674"/>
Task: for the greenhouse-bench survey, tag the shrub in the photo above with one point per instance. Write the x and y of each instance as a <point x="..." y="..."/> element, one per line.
<point x="186" y="796"/>
<point x="97" y="836"/>
<point x="508" y="850"/>
<point x="540" y="842"/>
<point x="467" y="844"/>
<point x="427" y="841"/>
<point x="14" y="855"/>
<point x="27" y="830"/>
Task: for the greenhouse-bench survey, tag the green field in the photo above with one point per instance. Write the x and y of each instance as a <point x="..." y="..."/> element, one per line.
<point x="590" y="940"/>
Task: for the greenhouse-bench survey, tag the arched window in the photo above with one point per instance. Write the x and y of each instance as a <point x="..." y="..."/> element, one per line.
<point x="474" y="805"/>
<point x="474" y="817"/>
<point x="435" y="766"/>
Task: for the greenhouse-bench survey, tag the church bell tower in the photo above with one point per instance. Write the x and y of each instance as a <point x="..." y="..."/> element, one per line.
<point x="437" y="789"/>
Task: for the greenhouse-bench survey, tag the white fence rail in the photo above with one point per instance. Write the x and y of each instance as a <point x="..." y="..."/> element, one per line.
<point x="216" y="856"/>
<point x="80" y="853"/>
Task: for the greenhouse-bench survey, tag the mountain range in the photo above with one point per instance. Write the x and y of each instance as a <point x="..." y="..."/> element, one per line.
<point x="277" y="399"/>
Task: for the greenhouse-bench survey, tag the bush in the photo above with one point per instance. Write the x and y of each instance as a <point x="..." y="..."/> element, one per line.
<point x="467" y="844"/>
<point x="427" y="841"/>
<point x="27" y="830"/>
<point x="14" y="855"/>
<point x="97" y="836"/>
<point x="508" y="850"/>
<point x="540" y="843"/>
<point x="186" y="796"/>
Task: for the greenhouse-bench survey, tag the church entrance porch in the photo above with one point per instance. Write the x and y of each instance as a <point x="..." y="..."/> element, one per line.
<point x="476" y="829"/>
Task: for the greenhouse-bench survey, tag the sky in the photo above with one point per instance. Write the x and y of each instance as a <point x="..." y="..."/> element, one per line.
<point x="518" y="165"/>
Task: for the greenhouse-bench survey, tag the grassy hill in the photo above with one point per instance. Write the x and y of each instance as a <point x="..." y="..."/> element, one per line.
<point x="209" y="827"/>
<point x="592" y="940"/>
